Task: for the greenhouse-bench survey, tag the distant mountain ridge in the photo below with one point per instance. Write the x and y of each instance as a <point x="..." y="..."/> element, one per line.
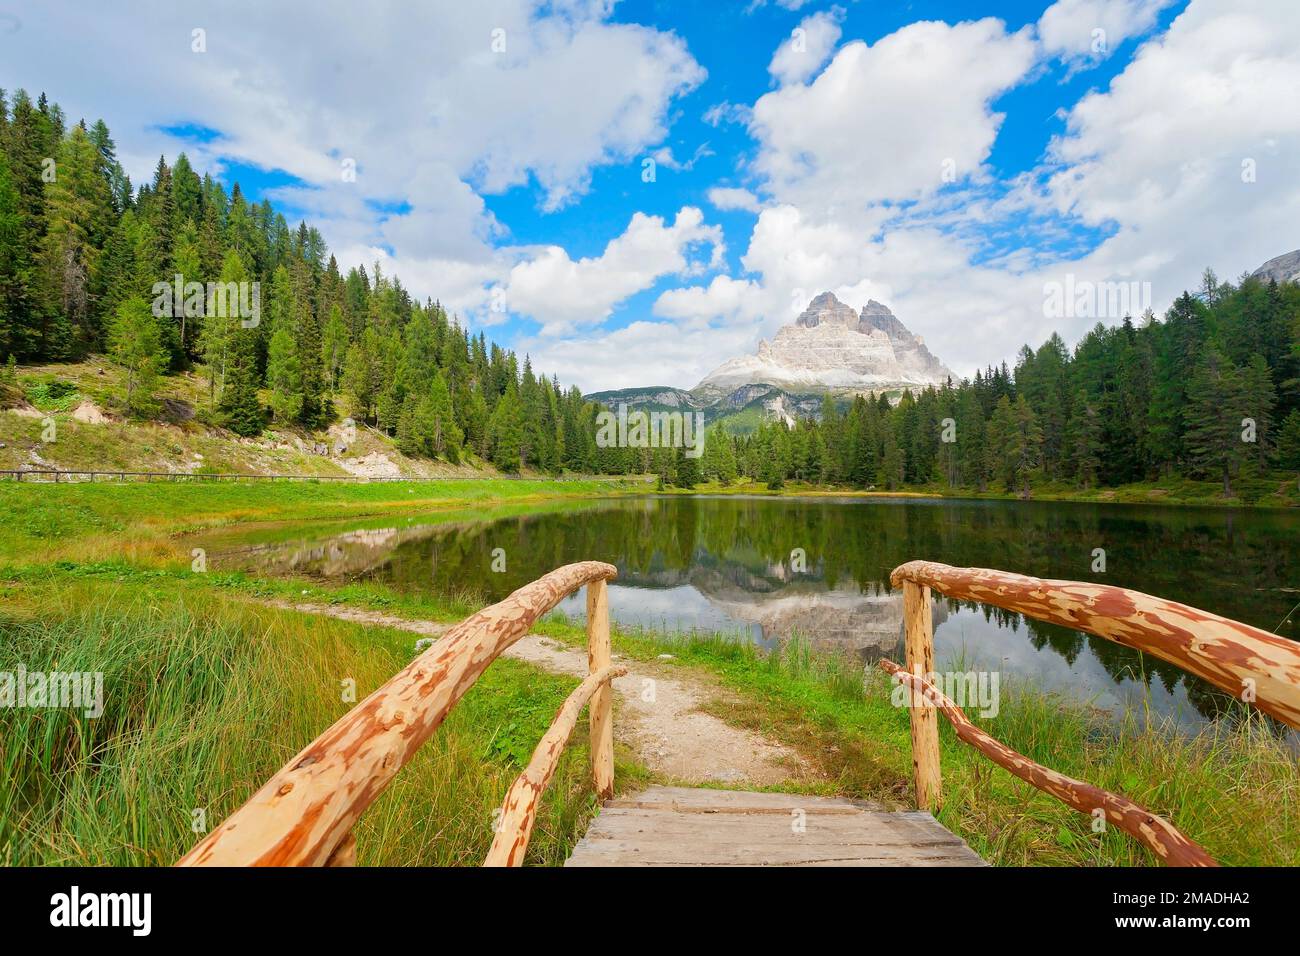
<point x="830" y="348"/>
<point x="740" y="410"/>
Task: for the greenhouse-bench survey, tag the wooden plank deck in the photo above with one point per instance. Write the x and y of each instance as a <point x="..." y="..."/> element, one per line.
<point x="685" y="826"/>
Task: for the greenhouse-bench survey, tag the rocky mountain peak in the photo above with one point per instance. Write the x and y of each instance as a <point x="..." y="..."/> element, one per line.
<point x="832" y="348"/>
<point x="825" y="309"/>
<point x="876" y="315"/>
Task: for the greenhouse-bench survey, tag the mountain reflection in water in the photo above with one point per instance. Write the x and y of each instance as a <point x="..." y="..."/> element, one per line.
<point x="730" y="565"/>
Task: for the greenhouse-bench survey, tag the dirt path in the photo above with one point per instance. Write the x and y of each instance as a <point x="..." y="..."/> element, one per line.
<point x="658" y="713"/>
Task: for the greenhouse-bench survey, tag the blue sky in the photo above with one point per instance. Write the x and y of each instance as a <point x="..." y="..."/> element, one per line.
<point x="952" y="160"/>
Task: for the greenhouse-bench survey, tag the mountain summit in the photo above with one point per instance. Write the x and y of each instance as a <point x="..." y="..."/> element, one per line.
<point x="831" y="348"/>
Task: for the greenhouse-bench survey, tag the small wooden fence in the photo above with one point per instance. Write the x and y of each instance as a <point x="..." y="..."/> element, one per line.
<point x="305" y="814"/>
<point x="1253" y="665"/>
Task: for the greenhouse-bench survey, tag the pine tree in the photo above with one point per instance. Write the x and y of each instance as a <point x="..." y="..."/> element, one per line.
<point x="1213" y="434"/>
<point x="361" y="376"/>
<point x="25" y="148"/>
<point x="241" y="409"/>
<point x="688" y="470"/>
<point x="13" y="331"/>
<point x="1287" y="453"/>
<point x="187" y="263"/>
<point x="221" y="328"/>
<point x="79" y="221"/>
<point x="313" y="411"/>
<point x="1014" y="443"/>
<point x="334" y="346"/>
<point x="283" y="377"/>
<point x="972" y="444"/>
<point x="136" y="346"/>
<point x="1084" y="445"/>
<point x="506" y="433"/>
<point x="410" y="439"/>
<point x="1257" y="401"/>
<point x="445" y="436"/>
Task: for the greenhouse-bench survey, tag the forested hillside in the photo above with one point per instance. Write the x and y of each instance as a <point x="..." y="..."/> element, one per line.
<point x="1210" y="391"/>
<point x="81" y="250"/>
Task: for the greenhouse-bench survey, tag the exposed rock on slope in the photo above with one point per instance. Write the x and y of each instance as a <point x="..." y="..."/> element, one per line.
<point x="1284" y="268"/>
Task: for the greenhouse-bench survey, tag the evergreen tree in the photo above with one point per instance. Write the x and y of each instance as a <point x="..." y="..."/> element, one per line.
<point x="283" y="377"/>
<point x="136" y="346"/>
<point x="1084" y="441"/>
<point x="241" y="409"/>
<point x="1214" y="419"/>
<point x="334" y="346"/>
<point x="445" y="435"/>
<point x="1288" y="443"/>
<point x="78" y="222"/>
<point x="506" y="433"/>
<point x="313" y="411"/>
<point x="688" y="471"/>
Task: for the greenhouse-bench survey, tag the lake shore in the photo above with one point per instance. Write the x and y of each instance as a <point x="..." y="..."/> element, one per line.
<point x="1267" y="493"/>
<point x="80" y="520"/>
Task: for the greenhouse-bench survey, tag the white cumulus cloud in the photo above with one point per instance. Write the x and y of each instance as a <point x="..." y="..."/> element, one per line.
<point x="729" y="197"/>
<point x="809" y="46"/>
<point x="884" y="122"/>
<point x="562" y="293"/>
<point x="1082" y="30"/>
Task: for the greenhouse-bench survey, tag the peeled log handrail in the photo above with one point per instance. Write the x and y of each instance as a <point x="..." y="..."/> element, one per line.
<point x="302" y="814"/>
<point x="519" y="809"/>
<point x="1235" y="657"/>
<point x="1157" y="834"/>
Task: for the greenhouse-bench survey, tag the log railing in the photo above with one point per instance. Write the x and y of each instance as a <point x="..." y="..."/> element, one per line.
<point x="305" y="814"/>
<point x="1255" y="666"/>
<point x="514" y="824"/>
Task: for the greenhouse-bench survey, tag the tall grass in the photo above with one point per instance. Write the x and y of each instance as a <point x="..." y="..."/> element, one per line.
<point x="205" y="698"/>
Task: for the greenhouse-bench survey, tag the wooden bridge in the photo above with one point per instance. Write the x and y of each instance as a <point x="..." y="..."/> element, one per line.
<point x="305" y="814"/>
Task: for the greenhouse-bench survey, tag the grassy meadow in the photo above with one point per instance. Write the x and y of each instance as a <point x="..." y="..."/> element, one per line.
<point x="213" y="690"/>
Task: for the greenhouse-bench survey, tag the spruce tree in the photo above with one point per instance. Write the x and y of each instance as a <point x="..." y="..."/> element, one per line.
<point x="283" y="377"/>
<point x="506" y="433"/>
<point x="1214" y="429"/>
<point x="241" y="409"/>
<point x="1084" y="444"/>
<point x="312" y="412"/>
<point x="688" y="470"/>
<point x="136" y="346"/>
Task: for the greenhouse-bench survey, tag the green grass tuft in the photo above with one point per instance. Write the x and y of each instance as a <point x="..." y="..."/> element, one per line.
<point x="206" y="698"/>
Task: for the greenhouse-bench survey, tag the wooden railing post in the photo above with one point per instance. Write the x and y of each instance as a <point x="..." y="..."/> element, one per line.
<point x="514" y="826"/>
<point x="600" y="715"/>
<point x="924" y="717"/>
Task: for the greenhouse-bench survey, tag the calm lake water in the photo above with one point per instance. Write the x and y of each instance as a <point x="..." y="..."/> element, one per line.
<point x="730" y="564"/>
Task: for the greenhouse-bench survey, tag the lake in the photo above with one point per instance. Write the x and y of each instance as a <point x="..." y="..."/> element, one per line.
<point x="769" y="569"/>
